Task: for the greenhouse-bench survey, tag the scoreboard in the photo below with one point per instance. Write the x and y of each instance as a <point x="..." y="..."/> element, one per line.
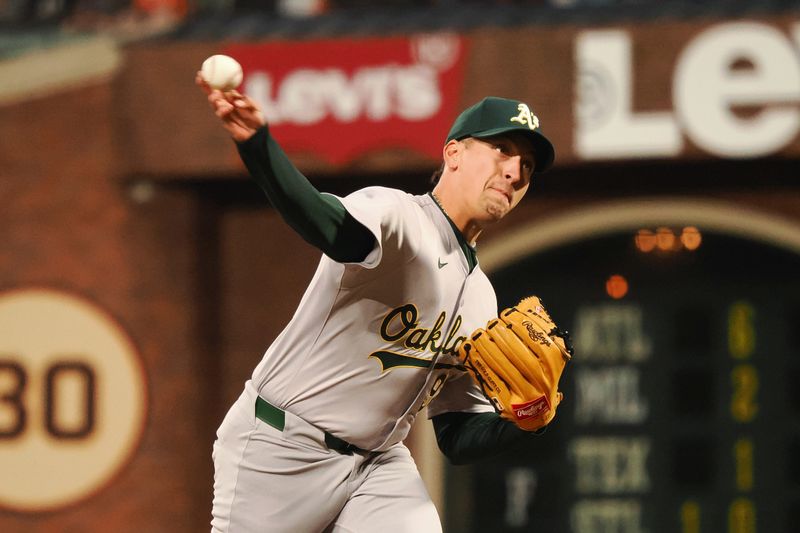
<point x="681" y="402"/>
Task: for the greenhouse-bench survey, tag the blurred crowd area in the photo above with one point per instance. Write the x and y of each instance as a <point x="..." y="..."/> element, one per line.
<point x="30" y="24"/>
<point x="81" y="13"/>
<point x="86" y="12"/>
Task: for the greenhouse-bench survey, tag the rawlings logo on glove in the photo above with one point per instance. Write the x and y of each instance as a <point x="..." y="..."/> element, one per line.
<point x="517" y="361"/>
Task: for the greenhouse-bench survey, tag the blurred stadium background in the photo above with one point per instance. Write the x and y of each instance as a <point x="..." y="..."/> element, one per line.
<point x="142" y="275"/>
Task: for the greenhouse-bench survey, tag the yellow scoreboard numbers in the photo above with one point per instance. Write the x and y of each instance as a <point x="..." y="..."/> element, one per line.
<point x="72" y="399"/>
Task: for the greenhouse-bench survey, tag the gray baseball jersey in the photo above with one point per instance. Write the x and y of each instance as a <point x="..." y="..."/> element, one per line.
<point x="373" y="343"/>
<point x="370" y="345"/>
<point x="314" y="443"/>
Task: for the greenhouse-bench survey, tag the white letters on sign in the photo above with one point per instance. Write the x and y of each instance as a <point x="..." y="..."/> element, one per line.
<point x="606" y="125"/>
<point x="308" y="96"/>
<point x="707" y="88"/>
<point x="611" y="465"/>
<point x="610" y="333"/>
<point x="735" y="90"/>
<point x="609" y="395"/>
<point x="607" y="516"/>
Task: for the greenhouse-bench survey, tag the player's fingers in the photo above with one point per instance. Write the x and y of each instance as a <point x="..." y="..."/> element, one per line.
<point x="201" y="82"/>
<point x="223" y="109"/>
<point x="235" y="127"/>
<point x="216" y="94"/>
<point x="245" y="103"/>
<point x="219" y="103"/>
<point x="214" y="97"/>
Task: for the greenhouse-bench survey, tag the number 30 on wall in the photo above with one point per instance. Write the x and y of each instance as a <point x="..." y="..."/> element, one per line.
<point x="72" y="399"/>
<point x="61" y="378"/>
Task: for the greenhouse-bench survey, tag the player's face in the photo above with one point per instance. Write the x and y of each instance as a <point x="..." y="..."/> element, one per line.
<point x="499" y="171"/>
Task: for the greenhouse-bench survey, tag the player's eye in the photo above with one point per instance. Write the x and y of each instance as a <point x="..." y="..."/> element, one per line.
<point x="501" y="147"/>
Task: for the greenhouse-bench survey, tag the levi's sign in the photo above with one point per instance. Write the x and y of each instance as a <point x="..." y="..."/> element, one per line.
<point x="735" y="91"/>
<point x="340" y="99"/>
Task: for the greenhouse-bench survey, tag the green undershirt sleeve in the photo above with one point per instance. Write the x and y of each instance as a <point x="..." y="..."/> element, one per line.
<point x="470" y="437"/>
<point x="320" y="219"/>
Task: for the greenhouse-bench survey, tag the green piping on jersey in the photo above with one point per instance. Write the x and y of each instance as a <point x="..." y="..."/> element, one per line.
<point x="391" y="360"/>
<point x="469" y="251"/>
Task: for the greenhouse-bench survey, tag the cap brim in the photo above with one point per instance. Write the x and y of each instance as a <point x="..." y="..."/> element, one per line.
<point x="544" y="151"/>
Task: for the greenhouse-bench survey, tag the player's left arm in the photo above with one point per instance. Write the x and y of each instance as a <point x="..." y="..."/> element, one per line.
<point x="468" y="428"/>
<point x="470" y="437"/>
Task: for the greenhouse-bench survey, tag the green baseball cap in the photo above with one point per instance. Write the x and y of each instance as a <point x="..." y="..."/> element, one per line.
<point x="493" y="116"/>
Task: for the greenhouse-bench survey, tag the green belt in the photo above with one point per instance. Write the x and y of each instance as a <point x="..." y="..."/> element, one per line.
<point x="276" y="418"/>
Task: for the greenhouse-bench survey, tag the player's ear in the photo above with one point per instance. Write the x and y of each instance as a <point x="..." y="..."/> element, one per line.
<point x="451" y="154"/>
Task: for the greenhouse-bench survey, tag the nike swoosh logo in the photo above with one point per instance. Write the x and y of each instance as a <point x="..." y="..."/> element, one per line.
<point x="441" y="265"/>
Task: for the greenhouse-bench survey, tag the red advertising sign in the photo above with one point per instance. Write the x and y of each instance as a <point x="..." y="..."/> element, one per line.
<point x="343" y="98"/>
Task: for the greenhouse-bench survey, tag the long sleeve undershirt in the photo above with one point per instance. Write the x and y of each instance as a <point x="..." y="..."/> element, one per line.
<point x="470" y="437"/>
<point x="323" y="222"/>
<point x="320" y="219"/>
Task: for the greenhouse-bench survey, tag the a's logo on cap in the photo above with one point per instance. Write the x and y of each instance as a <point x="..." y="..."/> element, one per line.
<point x="526" y="118"/>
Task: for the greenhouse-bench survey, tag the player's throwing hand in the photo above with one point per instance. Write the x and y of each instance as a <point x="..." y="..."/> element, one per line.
<point x="239" y="114"/>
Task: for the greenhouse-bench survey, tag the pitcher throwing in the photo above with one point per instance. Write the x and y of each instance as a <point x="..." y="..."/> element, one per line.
<point x="315" y="441"/>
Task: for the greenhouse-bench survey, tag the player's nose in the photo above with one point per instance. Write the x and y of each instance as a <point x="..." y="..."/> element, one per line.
<point x="513" y="169"/>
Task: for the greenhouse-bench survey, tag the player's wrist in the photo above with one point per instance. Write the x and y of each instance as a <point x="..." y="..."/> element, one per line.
<point x="246" y="135"/>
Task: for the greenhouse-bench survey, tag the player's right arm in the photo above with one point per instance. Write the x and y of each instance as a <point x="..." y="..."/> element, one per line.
<point x="320" y="219"/>
<point x="239" y="114"/>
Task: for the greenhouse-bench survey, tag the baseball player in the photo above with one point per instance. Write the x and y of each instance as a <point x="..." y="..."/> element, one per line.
<point x="315" y="441"/>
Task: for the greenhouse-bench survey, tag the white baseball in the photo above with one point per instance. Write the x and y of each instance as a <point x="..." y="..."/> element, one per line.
<point x="222" y="72"/>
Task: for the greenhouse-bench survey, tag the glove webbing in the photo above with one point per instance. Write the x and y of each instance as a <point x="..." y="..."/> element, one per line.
<point x="564" y="334"/>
